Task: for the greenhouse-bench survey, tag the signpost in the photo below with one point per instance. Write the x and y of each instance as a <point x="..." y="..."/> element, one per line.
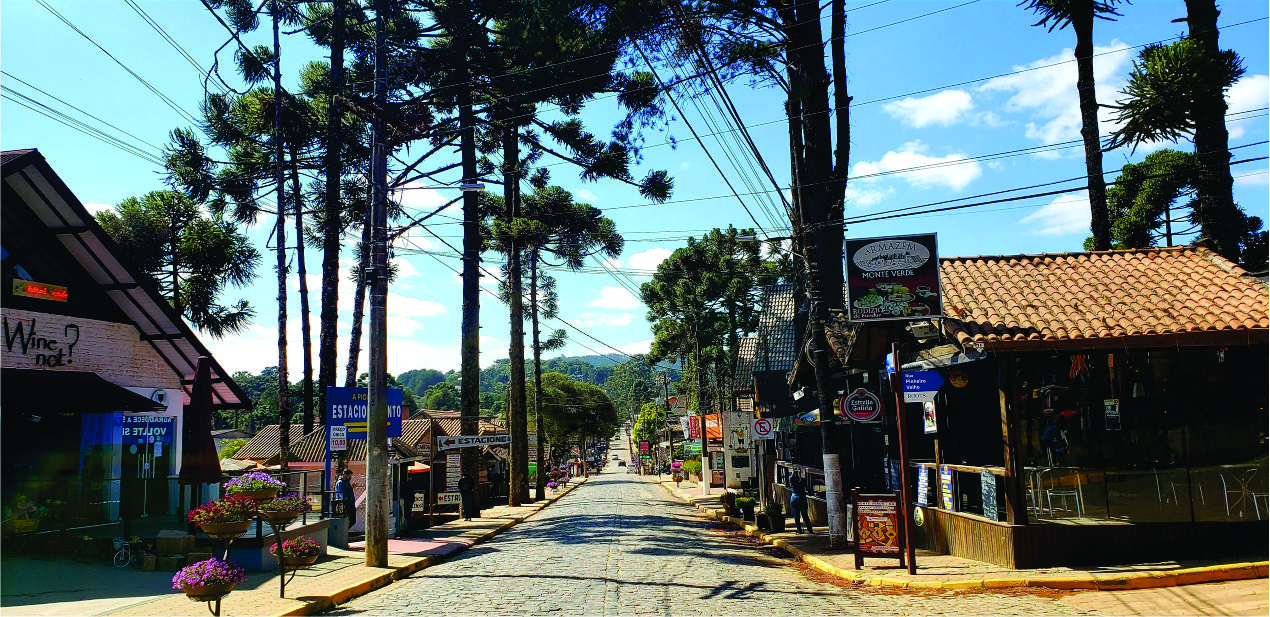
<point x="763" y="428"/>
<point x="448" y="499"/>
<point x="877" y="527"/>
<point x="643" y="449"/>
<point x="860" y="406"/>
<point x="445" y="442"/>
<point x="921" y="386"/>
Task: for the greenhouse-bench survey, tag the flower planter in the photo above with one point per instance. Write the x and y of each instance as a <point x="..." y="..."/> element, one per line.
<point x="777" y="522"/>
<point x="277" y="518"/>
<point x="23" y="525"/>
<point x="298" y="562"/>
<point x="225" y="529"/>
<point x="208" y="593"/>
<point x="259" y="494"/>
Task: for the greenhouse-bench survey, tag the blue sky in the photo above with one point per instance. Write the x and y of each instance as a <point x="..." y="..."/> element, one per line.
<point x="969" y="93"/>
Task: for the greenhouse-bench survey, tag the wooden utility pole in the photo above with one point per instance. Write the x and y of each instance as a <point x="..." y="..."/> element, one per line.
<point x="470" y="347"/>
<point x="280" y="237"/>
<point x="377" y="387"/>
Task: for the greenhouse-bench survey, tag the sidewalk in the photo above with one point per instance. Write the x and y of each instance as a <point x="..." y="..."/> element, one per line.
<point x="340" y="576"/>
<point x="950" y="573"/>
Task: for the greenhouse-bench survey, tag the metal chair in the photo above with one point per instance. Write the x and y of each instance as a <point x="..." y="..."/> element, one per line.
<point x="1063" y="493"/>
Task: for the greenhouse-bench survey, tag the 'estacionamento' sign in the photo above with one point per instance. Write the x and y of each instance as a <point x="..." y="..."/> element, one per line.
<point x="892" y="278"/>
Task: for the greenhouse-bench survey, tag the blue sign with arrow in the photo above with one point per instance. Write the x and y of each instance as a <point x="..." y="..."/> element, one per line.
<point x="921" y="386"/>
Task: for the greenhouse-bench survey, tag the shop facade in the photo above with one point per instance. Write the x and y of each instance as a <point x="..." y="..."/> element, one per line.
<point x="97" y="368"/>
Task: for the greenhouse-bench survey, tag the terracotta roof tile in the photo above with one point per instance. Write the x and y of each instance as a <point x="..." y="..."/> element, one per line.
<point x="1025" y="299"/>
<point x="264" y="445"/>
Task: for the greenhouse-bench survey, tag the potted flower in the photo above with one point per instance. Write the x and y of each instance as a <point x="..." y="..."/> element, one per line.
<point x="255" y="484"/>
<point x="297" y="552"/>
<point x="692" y="468"/>
<point x="676" y="471"/>
<point x="208" y="580"/>
<point x="729" y="503"/>
<point x="283" y="509"/>
<point x="228" y="517"/>
<point x="553" y="486"/>
<point x="775" y="516"/>
<point x="23" y="515"/>
<point x="746" y="506"/>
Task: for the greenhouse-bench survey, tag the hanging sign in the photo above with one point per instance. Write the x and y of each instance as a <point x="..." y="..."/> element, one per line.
<point x="861" y="406"/>
<point x="1111" y="407"/>
<point x="876" y="527"/>
<point x="921" y="386"/>
<point x="42" y="291"/>
<point x="892" y="278"/>
<point x="348" y="407"/>
<point x="928" y="418"/>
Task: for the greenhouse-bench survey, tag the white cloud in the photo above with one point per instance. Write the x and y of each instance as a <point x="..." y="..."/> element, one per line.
<point x="403" y="306"/>
<point x="586" y="195"/>
<point x="864" y="197"/>
<point x="403" y="326"/>
<point x="943" y="108"/>
<point x="405" y="269"/>
<point x="1067" y="214"/>
<point x="1253" y="178"/>
<point x="638" y="347"/>
<point x="616" y="298"/>
<point x="93" y="209"/>
<point x="1249" y="93"/>
<point x="953" y="171"/>
<point x="1048" y="93"/>
<point x="648" y="260"/>
<point x="601" y="319"/>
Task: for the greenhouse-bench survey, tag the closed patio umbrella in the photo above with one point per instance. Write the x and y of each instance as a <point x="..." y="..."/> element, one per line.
<point x="199" y="461"/>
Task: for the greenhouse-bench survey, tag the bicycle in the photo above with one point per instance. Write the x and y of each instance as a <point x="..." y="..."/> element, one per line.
<point x="124" y="557"/>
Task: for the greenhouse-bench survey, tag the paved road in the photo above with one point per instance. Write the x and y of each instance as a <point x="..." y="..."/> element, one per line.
<point x="620" y="545"/>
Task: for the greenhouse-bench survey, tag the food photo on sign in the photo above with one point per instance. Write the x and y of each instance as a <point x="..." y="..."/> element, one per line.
<point x="892" y="278"/>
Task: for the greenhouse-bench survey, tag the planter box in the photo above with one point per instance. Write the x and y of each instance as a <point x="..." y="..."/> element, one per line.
<point x="146" y="563"/>
<point x="172" y="542"/>
<point x="169" y="563"/>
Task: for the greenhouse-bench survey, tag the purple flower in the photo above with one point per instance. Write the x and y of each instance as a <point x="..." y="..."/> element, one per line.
<point x="210" y="572"/>
<point x="253" y="481"/>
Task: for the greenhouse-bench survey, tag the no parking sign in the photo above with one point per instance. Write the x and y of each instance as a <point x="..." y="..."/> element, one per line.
<point x="763" y="428"/>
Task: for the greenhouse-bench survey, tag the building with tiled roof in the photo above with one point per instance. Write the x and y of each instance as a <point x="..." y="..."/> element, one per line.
<point x="1112" y="399"/>
<point x="263" y="447"/>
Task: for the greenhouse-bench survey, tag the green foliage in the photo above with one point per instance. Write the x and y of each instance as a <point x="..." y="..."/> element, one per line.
<point x="649" y="423"/>
<point x="1058" y="14"/>
<point x="231" y="447"/>
<point x="190" y="257"/>
<point x="572" y="409"/>
<point x="442" y="396"/>
<point x="1165" y="89"/>
<point x="692" y="466"/>
<point x="420" y="380"/>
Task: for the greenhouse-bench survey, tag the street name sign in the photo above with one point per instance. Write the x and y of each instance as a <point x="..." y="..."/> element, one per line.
<point x="445" y="442"/>
<point x="921" y="386"/>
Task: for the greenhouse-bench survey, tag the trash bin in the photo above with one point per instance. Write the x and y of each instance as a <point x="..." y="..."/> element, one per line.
<point x="337" y="533"/>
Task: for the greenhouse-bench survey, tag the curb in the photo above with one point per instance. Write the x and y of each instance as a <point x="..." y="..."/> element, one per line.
<point x="396" y="573"/>
<point x="1087" y="582"/>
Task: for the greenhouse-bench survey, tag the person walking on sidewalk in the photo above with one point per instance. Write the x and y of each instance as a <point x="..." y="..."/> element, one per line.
<point x="798" y="501"/>
<point x="344" y="486"/>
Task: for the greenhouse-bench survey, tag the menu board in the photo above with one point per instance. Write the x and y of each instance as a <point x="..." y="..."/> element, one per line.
<point x="989" y="482"/>
<point x="892" y="278"/>
<point x="877" y="527"/>
<point x="452" y="472"/>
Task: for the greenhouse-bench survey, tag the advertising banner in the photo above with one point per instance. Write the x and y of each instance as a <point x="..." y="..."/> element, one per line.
<point x="892" y="278"/>
<point x="877" y="527"/>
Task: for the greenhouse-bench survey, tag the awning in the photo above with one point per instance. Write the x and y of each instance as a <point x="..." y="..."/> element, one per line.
<point x="83" y="391"/>
<point x="418" y="468"/>
<point x="940" y="356"/>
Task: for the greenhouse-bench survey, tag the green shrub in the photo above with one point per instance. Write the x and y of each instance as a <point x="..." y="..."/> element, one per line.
<point x="692" y="466"/>
<point x="745" y="502"/>
<point x="773" y="508"/>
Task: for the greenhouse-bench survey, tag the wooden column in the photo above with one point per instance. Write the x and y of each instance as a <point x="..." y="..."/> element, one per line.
<point x="1015" y="484"/>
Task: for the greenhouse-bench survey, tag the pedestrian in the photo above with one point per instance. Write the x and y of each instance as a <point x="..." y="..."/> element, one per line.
<point x="344" y="486"/>
<point x="407" y="493"/>
<point x="467" y="500"/>
<point x="798" y="501"/>
<point x="1054" y="444"/>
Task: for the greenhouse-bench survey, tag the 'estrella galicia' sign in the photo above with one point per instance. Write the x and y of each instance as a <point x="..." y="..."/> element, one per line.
<point x="861" y="406"/>
<point x="348" y="407"/>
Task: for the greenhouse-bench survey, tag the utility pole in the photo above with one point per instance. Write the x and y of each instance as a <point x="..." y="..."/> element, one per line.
<point x="706" y="472"/>
<point x="377" y="399"/>
<point x="280" y="236"/>
<point x="470" y="350"/>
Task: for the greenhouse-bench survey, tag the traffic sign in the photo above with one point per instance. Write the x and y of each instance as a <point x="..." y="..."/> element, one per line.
<point x="445" y="442"/>
<point x="339" y="438"/>
<point x="921" y="386"/>
<point x="763" y="428"/>
<point x="861" y="406"/>
<point x="448" y="499"/>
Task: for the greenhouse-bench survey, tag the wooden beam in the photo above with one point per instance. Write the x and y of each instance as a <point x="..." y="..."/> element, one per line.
<point x="1015" y="484"/>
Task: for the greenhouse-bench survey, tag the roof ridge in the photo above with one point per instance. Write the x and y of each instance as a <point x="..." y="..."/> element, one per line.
<point x="1179" y="248"/>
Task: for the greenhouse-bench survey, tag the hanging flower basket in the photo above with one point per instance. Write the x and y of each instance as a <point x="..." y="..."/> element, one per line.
<point x="282" y="510"/>
<point x="259" y="494"/>
<point x="255" y="484"/>
<point x="225" y="529"/>
<point x="208" y="593"/>
<point x="299" y="562"/>
<point x="277" y="518"/>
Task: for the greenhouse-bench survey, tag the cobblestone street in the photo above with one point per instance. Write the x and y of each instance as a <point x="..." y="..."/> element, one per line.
<point x="621" y="545"/>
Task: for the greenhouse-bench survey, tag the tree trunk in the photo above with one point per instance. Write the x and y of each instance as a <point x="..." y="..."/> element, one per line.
<point x="516" y="421"/>
<point x="1219" y="218"/>
<point x="540" y="485"/>
<point x="280" y="237"/>
<point x="359" y="306"/>
<point x="306" y="332"/>
<point x="1099" y="223"/>
<point x="701" y="413"/>
<point x="328" y="329"/>
<point x="470" y="347"/>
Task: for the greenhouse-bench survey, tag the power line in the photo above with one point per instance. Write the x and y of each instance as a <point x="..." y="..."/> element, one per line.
<point x="77" y="125"/>
<point x="163" y="97"/>
<point x="154" y="25"/>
